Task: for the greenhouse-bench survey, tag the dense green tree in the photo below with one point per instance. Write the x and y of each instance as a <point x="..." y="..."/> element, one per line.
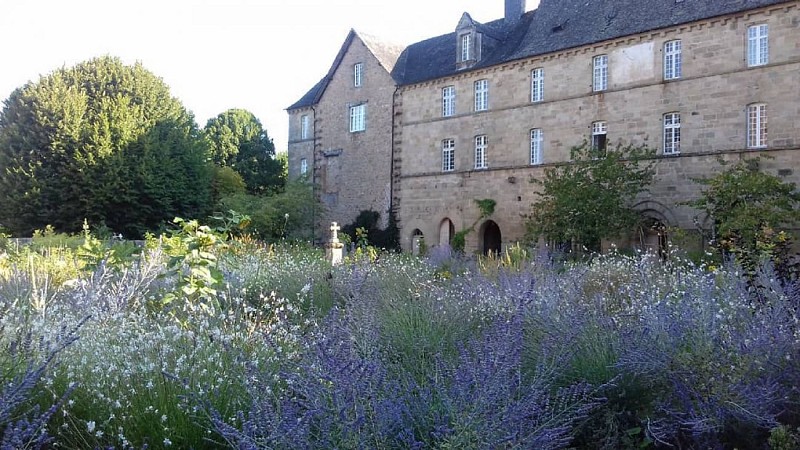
<point x="750" y="211"/>
<point x="589" y="199"/>
<point x="238" y="140"/>
<point x="101" y="141"/>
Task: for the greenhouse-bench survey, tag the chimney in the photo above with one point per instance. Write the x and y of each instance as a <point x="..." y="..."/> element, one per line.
<point x="514" y="10"/>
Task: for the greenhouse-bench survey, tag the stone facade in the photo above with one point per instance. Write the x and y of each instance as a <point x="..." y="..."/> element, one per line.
<point x="711" y="96"/>
<point x="351" y="170"/>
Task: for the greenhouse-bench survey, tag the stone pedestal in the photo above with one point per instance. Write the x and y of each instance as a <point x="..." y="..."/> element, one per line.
<point x="334" y="249"/>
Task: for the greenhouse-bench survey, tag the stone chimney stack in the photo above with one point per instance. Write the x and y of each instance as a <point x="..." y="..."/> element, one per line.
<point x="514" y="10"/>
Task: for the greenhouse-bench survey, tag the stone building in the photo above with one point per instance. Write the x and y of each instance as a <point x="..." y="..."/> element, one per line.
<point x="476" y="113"/>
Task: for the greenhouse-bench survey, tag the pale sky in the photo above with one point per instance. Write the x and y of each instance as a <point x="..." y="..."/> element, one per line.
<point x="260" y="55"/>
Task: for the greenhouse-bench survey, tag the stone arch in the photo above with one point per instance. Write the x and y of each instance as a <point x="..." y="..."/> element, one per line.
<point x="656" y="210"/>
<point x="446" y="231"/>
<point x="490" y="238"/>
<point x="417" y="242"/>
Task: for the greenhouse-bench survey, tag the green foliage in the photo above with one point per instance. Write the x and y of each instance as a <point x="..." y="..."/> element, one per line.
<point x="783" y="438"/>
<point x="589" y="199"/>
<point x="486" y="207"/>
<point x="749" y="209"/>
<point x="268" y="214"/>
<point x="195" y="264"/>
<point x="372" y="233"/>
<point x="238" y="140"/>
<point x="226" y="182"/>
<point x="100" y="141"/>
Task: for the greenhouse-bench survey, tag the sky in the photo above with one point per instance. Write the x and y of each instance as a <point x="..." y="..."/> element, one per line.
<point x="259" y="55"/>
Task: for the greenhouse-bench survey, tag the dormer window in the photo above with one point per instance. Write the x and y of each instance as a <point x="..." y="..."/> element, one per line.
<point x="466" y="47"/>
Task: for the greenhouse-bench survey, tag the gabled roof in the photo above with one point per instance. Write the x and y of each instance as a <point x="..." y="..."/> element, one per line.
<point x="386" y="54"/>
<point x="559" y="25"/>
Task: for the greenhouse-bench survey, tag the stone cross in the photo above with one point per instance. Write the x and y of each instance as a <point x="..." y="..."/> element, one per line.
<point x="334" y="228"/>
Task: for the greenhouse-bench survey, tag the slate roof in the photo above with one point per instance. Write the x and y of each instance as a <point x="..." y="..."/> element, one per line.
<point x="558" y="25"/>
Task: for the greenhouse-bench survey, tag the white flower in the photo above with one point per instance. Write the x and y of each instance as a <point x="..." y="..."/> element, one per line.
<point x="167" y="442"/>
<point x="90" y="426"/>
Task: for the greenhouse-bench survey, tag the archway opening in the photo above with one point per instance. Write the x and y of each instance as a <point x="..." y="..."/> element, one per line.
<point x="653" y="237"/>
<point x="446" y="232"/>
<point x="417" y="242"/>
<point x="491" y="237"/>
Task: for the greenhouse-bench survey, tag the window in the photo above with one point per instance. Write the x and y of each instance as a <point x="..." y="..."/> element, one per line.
<point x="358" y="118"/>
<point x="303" y="166"/>
<point x="537" y="85"/>
<point x="599" y="130"/>
<point x="358" y="72"/>
<point x="536" y="146"/>
<point x="448" y="155"/>
<point x="481" y="95"/>
<point x="466" y="47"/>
<point x="480" y="152"/>
<point x="448" y="101"/>
<point x="672" y="60"/>
<point x="672" y="133"/>
<point x="304" y="127"/>
<point x="600" y="73"/>
<point x="757" y="45"/>
<point x="757" y="125"/>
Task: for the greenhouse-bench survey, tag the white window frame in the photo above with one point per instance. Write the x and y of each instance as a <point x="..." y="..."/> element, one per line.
<point x="466" y="47"/>
<point x="672" y="60"/>
<point x="757" y="125"/>
<point x="537" y="84"/>
<point x="448" y="101"/>
<point x="537" y="139"/>
<point x="358" y="74"/>
<point x="757" y="45"/>
<point x="599" y="128"/>
<point x="304" y="126"/>
<point x="672" y="133"/>
<point x="600" y="73"/>
<point x="448" y="155"/>
<point x="481" y="144"/>
<point x="303" y="166"/>
<point x="481" y="95"/>
<point x="358" y="118"/>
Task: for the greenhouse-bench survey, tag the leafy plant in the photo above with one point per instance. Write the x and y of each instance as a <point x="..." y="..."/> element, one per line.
<point x="589" y="199"/>
<point x="486" y="208"/>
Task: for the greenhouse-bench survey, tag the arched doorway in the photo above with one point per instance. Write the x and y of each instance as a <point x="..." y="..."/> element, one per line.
<point x="417" y="242"/>
<point x="653" y="237"/>
<point x="446" y="232"/>
<point x="491" y="238"/>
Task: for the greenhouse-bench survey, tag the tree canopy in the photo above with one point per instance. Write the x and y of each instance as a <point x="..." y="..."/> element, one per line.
<point x="238" y="140"/>
<point x="589" y="199"/>
<point x="100" y="141"/>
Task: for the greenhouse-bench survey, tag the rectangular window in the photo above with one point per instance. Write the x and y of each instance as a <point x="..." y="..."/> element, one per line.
<point x="358" y="117"/>
<point x="537" y="85"/>
<point x="448" y="155"/>
<point x="599" y="131"/>
<point x="481" y="95"/>
<point x="480" y="152"/>
<point x="448" y="101"/>
<point x="600" y="73"/>
<point x="536" y="146"/>
<point x="466" y="47"/>
<point x="757" y="45"/>
<point x="358" y="73"/>
<point x="672" y="133"/>
<point x="757" y="126"/>
<point x="672" y="60"/>
<point x="304" y="127"/>
<point x="303" y="166"/>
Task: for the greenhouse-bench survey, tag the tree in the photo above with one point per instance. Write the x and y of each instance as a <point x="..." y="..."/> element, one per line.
<point x="99" y="141"/>
<point x="239" y="141"/>
<point x="750" y="210"/>
<point x="589" y="199"/>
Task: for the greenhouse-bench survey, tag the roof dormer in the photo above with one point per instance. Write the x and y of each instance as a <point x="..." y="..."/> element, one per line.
<point x="468" y="42"/>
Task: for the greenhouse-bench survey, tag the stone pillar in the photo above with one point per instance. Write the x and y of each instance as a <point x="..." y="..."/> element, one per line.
<point x="334" y="248"/>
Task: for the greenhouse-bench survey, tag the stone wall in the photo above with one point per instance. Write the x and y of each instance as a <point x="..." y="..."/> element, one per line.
<point x="711" y="96"/>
